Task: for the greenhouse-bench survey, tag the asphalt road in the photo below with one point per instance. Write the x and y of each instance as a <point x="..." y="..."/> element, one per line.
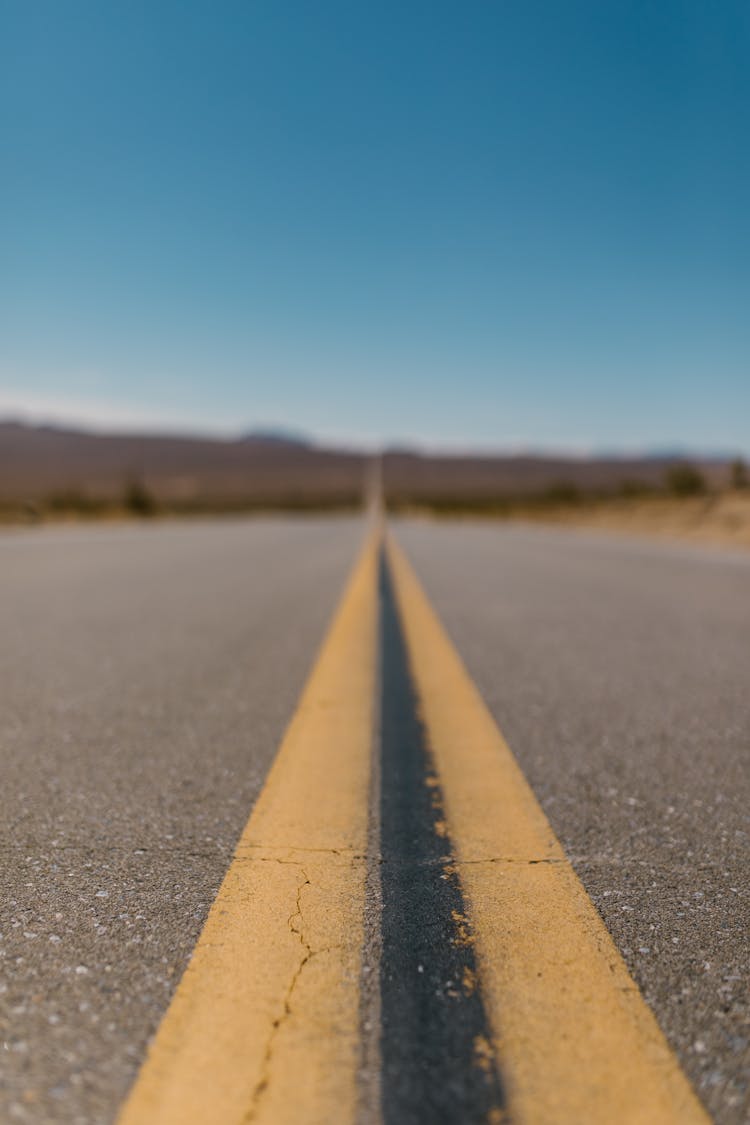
<point x="146" y="677"/>
<point x="619" y="672"/>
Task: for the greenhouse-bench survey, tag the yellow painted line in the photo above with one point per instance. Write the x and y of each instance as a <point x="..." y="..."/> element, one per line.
<point x="264" y="1026"/>
<point x="575" y="1041"/>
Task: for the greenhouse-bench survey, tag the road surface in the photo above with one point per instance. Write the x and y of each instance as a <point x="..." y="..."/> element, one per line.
<point x="147" y="675"/>
<point x="619" y="672"/>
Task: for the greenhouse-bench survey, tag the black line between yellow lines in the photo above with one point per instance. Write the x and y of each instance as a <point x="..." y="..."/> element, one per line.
<point x="436" y="1059"/>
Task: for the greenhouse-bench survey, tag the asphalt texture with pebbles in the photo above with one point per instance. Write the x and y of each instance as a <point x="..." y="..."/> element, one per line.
<point x="619" y="672"/>
<point x="147" y="674"/>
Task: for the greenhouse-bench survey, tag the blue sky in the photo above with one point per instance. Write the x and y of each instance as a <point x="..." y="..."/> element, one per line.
<point x="500" y="224"/>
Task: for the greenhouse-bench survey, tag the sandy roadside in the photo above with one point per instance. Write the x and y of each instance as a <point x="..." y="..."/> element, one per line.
<point x="723" y="520"/>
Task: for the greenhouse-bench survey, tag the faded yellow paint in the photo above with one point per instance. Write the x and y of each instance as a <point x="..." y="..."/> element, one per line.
<point x="264" y="1026"/>
<point x="575" y="1040"/>
<point x="483" y="1055"/>
<point x="462" y="935"/>
<point x="469" y="981"/>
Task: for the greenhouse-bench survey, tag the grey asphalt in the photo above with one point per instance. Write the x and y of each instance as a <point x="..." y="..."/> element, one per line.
<point x="619" y="672"/>
<point x="147" y="674"/>
<point x="146" y="677"/>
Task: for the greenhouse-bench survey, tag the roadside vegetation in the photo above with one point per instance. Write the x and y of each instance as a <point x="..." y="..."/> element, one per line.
<point x="138" y="502"/>
<point x="683" y="505"/>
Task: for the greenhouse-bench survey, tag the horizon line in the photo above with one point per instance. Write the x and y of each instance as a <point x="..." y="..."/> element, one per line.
<point x="136" y="425"/>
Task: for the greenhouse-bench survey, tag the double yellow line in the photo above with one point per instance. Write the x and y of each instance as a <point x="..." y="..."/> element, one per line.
<point x="265" y="1024"/>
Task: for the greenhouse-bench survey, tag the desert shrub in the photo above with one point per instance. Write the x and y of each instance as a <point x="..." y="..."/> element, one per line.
<point x="561" y="492"/>
<point x="685" y="479"/>
<point x="138" y="500"/>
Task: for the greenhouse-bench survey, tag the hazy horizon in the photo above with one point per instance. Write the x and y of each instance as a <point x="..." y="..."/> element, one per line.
<point x="279" y="432"/>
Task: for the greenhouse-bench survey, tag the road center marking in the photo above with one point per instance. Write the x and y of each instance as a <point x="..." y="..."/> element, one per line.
<point x="575" y="1040"/>
<point x="436" y="1063"/>
<point x="264" y="1025"/>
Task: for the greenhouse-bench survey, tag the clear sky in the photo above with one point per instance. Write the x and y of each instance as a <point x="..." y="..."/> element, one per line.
<point x="492" y="223"/>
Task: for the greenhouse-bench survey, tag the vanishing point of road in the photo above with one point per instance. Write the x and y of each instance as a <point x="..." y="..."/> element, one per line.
<point x="306" y="822"/>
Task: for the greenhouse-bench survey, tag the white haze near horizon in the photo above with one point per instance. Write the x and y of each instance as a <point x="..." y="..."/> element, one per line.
<point x="101" y="416"/>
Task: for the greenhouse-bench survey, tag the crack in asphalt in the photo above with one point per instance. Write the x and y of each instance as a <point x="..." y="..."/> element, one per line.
<point x="308" y="952"/>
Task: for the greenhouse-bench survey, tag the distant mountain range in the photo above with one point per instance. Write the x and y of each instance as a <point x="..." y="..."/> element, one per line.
<point x="277" y="437"/>
<point x="420" y="476"/>
<point x="37" y="462"/>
